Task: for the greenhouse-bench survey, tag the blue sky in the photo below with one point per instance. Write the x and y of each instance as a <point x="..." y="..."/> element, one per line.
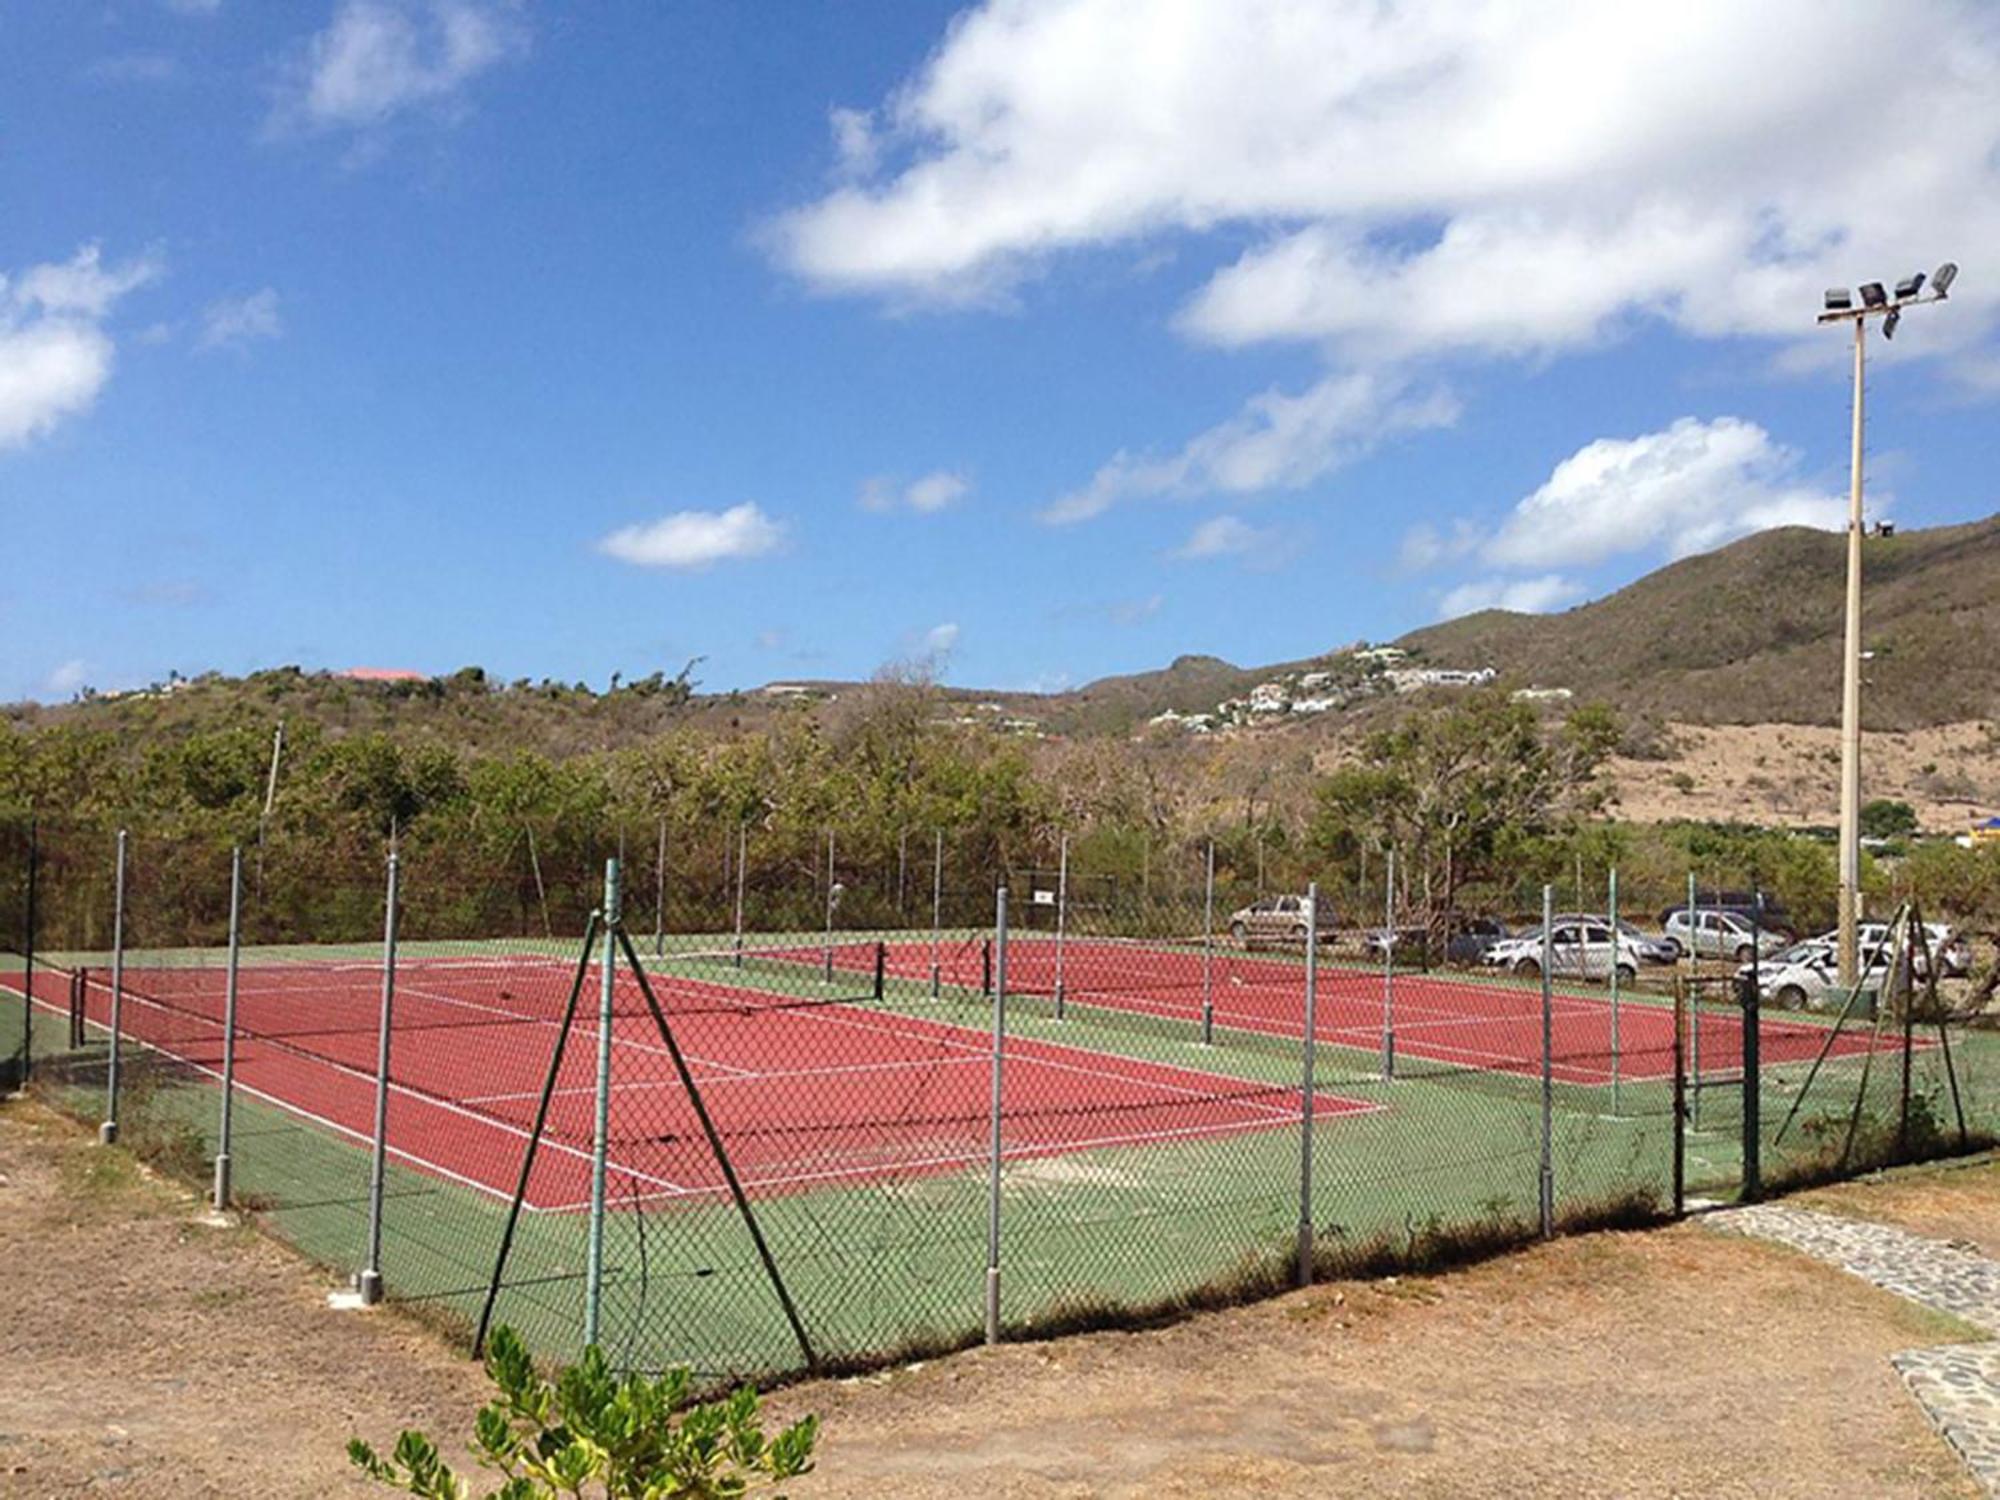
<point x="570" y="340"/>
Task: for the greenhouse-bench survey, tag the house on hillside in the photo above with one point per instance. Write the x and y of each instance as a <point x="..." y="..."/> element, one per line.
<point x="1269" y="698"/>
<point x="382" y="674"/>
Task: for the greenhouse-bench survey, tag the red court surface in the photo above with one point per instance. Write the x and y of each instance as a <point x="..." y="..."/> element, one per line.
<point x="804" y="1094"/>
<point x="1443" y="1020"/>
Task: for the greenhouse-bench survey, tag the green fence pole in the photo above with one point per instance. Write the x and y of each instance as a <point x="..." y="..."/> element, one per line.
<point x="107" y="1133"/>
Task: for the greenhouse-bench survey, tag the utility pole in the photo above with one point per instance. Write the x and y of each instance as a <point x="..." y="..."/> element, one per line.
<point x="1840" y="308"/>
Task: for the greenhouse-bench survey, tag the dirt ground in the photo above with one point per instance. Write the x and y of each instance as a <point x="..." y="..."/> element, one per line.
<point x="147" y="1355"/>
<point x="1789" y="774"/>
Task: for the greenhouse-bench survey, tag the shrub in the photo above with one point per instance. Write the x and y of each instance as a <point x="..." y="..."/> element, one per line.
<point x="589" y="1432"/>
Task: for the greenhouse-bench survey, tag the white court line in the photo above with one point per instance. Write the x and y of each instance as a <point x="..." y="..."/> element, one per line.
<point x="290" y="1107"/>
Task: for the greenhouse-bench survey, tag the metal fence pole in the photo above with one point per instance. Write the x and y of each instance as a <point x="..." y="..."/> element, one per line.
<point x="1548" y="1172"/>
<point x="28" y="956"/>
<point x="1753" y="1061"/>
<point x="742" y="861"/>
<point x="660" y="893"/>
<point x="107" y="1133"/>
<point x="1308" y="1089"/>
<point x="369" y="1282"/>
<point x="224" y="1126"/>
<point x="1612" y="899"/>
<point x="1062" y="920"/>
<point x="1389" y="971"/>
<point x="1694" y="1004"/>
<point x="993" y="1167"/>
<point x="902" y="871"/>
<point x="1208" y="953"/>
<point x="600" y="1140"/>
<point x="832" y="900"/>
<point x="937" y="908"/>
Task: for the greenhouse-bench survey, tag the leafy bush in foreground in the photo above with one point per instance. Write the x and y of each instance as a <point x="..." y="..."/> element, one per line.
<point x="589" y="1432"/>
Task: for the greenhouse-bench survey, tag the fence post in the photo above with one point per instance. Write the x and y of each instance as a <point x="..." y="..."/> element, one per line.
<point x="993" y="1166"/>
<point x="937" y="907"/>
<point x="1753" y="1060"/>
<point x="1208" y="953"/>
<point x="107" y="1133"/>
<point x="1612" y="899"/>
<point x="1548" y="1172"/>
<point x="833" y="894"/>
<point x="369" y="1282"/>
<point x="1308" y="1089"/>
<point x="902" y="871"/>
<point x="28" y="957"/>
<point x="660" y="892"/>
<point x="1062" y="919"/>
<point x="742" y="859"/>
<point x="1694" y="1003"/>
<point x="600" y="1140"/>
<point x="223" y="1128"/>
<point x="1389" y="971"/>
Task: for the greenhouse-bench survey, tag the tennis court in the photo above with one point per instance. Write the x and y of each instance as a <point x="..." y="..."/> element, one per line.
<point x="807" y="1092"/>
<point x="1455" y="1021"/>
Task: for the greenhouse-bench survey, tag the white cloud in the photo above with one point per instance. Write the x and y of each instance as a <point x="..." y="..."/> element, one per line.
<point x="55" y="357"/>
<point x="1229" y="536"/>
<point x="693" y="539"/>
<point x="377" y="58"/>
<point x="1276" y="442"/>
<point x="1424" y="546"/>
<point x="1439" y="175"/>
<point x="235" y="322"/>
<point x="1531" y="596"/>
<point x="941" y="640"/>
<point x="64" y="681"/>
<point x="938" y="490"/>
<point x="1686" y="489"/>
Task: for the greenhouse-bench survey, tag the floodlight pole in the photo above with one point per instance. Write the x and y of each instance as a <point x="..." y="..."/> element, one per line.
<point x="1850" y="697"/>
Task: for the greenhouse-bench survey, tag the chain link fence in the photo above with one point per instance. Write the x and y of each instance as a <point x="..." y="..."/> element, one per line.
<point x="758" y="1102"/>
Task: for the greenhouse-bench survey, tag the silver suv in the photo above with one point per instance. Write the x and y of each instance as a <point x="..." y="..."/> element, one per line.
<point x="1277" y="919"/>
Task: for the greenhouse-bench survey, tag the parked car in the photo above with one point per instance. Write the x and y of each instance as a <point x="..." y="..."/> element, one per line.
<point x="1952" y="952"/>
<point x="1278" y="919"/>
<point x="1807" y="974"/>
<point x="1650" y="949"/>
<point x="1578" y="948"/>
<point x="1469" y="939"/>
<point x="1722" y="934"/>
<point x="1744" y="903"/>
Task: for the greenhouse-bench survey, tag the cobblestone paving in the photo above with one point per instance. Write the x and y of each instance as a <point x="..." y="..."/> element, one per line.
<point x="1957" y="1385"/>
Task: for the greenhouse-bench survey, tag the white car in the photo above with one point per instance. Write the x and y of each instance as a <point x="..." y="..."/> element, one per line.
<point x="1722" y="934"/>
<point x="1872" y="943"/>
<point x="1808" y="974"/>
<point x="1276" y="919"/>
<point x="1578" y="949"/>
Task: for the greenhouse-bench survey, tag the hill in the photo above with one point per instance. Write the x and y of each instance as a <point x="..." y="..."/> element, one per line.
<point x="1751" y="633"/>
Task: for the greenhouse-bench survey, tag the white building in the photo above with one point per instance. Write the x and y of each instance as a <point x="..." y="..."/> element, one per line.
<point x="1268" y="698"/>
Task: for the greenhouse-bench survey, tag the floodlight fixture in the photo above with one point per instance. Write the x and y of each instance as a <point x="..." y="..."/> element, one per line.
<point x="1889" y="323"/>
<point x="1872" y="294"/>
<point x="1839" y="299"/>
<point x="1943" y="277"/>
<point x="1909" y="286"/>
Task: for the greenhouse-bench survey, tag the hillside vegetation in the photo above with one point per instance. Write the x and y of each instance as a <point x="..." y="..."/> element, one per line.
<point x="1750" y="634"/>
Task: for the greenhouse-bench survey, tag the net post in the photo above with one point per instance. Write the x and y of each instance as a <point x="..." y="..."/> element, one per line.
<point x="1062" y="919"/>
<point x="28" y="959"/>
<point x="1547" y="1176"/>
<point x="369" y="1281"/>
<point x="1694" y="1004"/>
<point x="1208" y="951"/>
<point x="224" y="1126"/>
<point x="1680" y="1093"/>
<point x="986" y="966"/>
<point x="1308" y="1089"/>
<point x="742" y="859"/>
<point x="600" y="1138"/>
<point x="107" y="1133"/>
<point x="994" y="1144"/>
<point x="881" y="969"/>
<point x="79" y="988"/>
<point x="937" y="909"/>
<point x="1753" y="1060"/>
<point x="1389" y="969"/>
<point x="1611" y="897"/>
